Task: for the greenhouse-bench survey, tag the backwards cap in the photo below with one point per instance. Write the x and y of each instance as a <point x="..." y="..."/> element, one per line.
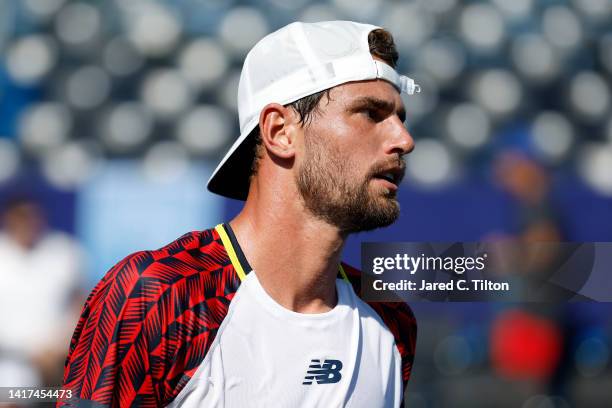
<point x="295" y="61"/>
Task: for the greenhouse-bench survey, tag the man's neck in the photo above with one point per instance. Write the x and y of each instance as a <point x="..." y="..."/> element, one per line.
<point x="294" y="255"/>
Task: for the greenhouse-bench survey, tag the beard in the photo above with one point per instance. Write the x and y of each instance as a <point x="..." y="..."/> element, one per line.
<point x="331" y="192"/>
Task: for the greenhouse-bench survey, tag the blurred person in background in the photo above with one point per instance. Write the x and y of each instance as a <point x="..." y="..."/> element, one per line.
<point x="529" y="185"/>
<point x="40" y="271"/>
<point x="260" y="311"/>
<point x="536" y="342"/>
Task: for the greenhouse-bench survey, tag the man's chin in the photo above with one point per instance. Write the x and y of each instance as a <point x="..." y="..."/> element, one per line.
<point x="386" y="199"/>
<point x="384" y="212"/>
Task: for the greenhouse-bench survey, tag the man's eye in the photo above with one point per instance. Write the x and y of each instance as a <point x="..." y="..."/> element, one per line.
<point x="373" y="115"/>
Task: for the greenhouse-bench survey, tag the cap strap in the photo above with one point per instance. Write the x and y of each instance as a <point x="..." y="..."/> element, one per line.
<point x="401" y="82"/>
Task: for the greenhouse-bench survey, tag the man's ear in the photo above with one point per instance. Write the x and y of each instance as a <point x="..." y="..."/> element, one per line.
<point x="277" y="126"/>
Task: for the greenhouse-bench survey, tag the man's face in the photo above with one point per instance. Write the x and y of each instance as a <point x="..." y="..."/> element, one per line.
<point x="352" y="161"/>
<point x="24" y="223"/>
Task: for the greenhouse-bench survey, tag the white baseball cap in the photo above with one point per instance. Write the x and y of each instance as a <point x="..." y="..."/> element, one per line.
<point x="295" y="61"/>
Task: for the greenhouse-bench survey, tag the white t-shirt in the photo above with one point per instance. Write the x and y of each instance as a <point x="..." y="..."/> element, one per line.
<point x="37" y="286"/>
<point x="267" y="356"/>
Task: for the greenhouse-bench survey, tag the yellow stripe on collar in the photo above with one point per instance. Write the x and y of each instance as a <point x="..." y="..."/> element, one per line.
<point x="342" y="273"/>
<point x="227" y="243"/>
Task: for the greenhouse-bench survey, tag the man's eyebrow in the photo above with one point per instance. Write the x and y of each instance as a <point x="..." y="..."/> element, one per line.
<point x="378" y="104"/>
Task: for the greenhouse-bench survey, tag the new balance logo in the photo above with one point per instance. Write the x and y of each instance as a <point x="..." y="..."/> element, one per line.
<point x="326" y="373"/>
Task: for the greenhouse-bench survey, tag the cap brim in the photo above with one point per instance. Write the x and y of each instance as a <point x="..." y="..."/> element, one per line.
<point x="231" y="178"/>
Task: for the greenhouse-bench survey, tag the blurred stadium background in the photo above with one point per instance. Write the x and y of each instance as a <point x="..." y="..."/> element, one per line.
<point x="113" y="114"/>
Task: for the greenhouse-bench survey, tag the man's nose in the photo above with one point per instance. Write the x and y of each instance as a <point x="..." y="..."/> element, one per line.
<point x="401" y="140"/>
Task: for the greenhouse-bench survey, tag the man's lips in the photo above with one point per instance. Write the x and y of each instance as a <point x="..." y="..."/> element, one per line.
<point x="391" y="175"/>
<point x="389" y="185"/>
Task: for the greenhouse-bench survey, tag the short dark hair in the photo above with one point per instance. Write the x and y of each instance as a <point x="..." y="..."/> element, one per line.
<point x="381" y="45"/>
<point x="16" y="200"/>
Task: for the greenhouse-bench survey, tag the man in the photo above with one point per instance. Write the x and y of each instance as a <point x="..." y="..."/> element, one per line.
<point x="260" y="312"/>
<point x="40" y="271"/>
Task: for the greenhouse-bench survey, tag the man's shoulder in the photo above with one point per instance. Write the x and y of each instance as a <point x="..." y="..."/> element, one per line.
<point x="194" y="257"/>
<point x="152" y="318"/>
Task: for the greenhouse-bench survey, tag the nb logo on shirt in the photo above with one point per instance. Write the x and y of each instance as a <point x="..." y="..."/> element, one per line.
<point x="326" y="373"/>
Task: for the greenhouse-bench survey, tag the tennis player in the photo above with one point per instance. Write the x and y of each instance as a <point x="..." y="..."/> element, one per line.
<point x="260" y="311"/>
